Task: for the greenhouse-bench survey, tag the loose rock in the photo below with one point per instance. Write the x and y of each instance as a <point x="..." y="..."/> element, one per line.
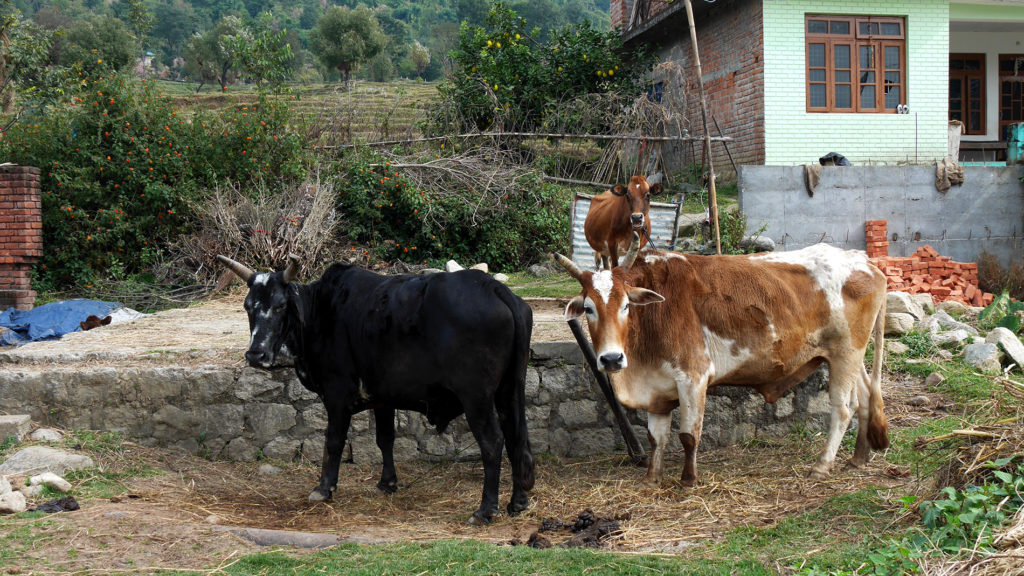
<point x="46" y="435"/>
<point x="984" y="357"/>
<point x="1009" y="342"/>
<point x="12" y="503"/>
<point x="52" y="480"/>
<point x="38" y="459"/>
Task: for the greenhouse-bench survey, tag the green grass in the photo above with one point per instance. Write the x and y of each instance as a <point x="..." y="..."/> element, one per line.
<point x="556" y="285"/>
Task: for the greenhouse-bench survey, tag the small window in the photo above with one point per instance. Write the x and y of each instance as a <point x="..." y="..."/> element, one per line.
<point x="855" y="63"/>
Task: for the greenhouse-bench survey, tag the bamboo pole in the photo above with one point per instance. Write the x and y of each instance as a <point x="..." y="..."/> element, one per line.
<point x="704" y="117"/>
<point x="534" y="135"/>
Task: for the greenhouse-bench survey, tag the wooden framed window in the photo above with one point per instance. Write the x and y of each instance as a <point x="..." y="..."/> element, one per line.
<point x="1011" y="91"/>
<point x="967" y="91"/>
<point x="855" y="63"/>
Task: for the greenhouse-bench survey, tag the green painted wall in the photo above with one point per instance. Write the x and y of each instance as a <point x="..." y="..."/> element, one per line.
<point x="794" y="136"/>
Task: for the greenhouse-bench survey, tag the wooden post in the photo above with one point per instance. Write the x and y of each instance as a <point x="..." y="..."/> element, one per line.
<point x="633" y="446"/>
<point x="704" y="117"/>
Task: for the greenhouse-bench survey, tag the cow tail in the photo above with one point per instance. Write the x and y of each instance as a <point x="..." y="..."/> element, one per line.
<point x="878" y="435"/>
<point x="515" y="378"/>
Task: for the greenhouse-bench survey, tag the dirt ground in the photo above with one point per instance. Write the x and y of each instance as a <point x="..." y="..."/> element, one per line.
<point x="182" y="516"/>
<point x="215" y="332"/>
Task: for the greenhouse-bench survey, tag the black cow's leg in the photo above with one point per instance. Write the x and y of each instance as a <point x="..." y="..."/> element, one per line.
<point x="337" y="429"/>
<point x="385" y="420"/>
<point x="484" y="424"/>
<point x="512" y="417"/>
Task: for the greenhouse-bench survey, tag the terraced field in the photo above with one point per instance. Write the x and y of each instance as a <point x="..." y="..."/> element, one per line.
<point x="330" y="114"/>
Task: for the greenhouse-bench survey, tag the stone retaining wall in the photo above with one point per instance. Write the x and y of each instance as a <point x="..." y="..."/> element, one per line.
<point x="239" y="412"/>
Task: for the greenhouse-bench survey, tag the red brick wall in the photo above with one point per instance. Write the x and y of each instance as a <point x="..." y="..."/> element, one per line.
<point x="731" y="45"/>
<point x="21" y="234"/>
<point x="731" y="40"/>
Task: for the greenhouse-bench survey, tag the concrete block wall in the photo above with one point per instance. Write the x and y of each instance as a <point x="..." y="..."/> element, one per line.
<point x="795" y="136"/>
<point x="985" y="213"/>
<point x="21" y="234"/>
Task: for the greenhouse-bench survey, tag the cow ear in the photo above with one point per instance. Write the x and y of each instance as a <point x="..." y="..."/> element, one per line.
<point x="574" y="309"/>
<point x="641" y="296"/>
<point x="655" y="190"/>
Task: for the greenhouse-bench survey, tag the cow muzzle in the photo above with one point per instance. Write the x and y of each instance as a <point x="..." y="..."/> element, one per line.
<point x="259" y="359"/>
<point x="611" y="361"/>
<point x="637" y="219"/>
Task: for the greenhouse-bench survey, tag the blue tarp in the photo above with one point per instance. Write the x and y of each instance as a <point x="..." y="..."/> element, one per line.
<point x="49" y="321"/>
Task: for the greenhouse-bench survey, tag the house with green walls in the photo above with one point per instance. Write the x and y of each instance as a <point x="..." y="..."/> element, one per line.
<point x="876" y="81"/>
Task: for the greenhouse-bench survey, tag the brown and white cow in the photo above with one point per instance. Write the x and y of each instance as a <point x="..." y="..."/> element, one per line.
<point x="614" y="216"/>
<point x="667" y="326"/>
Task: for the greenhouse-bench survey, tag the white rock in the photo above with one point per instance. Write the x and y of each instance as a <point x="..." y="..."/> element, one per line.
<point x="12" y="503"/>
<point x="925" y="301"/>
<point x="481" y="267"/>
<point x="46" y="435"/>
<point x="984" y="357"/>
<point x="953" y="337"/>
<point x="5" y="486"/>
<point x="503" y="278"/>
<point x="1009" y="342"/>
<point x="31" y="491"/>
<point x="38" y="459"/>
<point x="452" y="266"/>
<point x="896" y="347"/>
<point x="903" y="303"/>
<point x="953" y="308"/>
<point x="52" y="480"/>
<point x="898" y="323"/>
<point x="943" y="321"/>
<point x="268" y="470"/>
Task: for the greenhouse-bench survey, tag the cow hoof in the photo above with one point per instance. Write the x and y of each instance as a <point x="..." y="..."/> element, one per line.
<point x="477" y="519"/>
<point x="388" y="487"/>
<point x="317" y="495"/>
<point x="515" y="507"/>
<point x="818" y="474"/>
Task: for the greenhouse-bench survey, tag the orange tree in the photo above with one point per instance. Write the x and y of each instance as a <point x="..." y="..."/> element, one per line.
<point x="121" y="167"/>
<point x="503" y="73"/>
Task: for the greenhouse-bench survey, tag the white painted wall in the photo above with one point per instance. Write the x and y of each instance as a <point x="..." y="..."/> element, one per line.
<point x="992" y="44"/>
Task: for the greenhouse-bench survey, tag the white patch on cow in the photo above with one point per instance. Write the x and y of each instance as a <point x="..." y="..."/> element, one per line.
<point x="829" y="266"/>
<point x="720" y="351"/>
<point x="652" y="257"/>
<point x="640" y="385"/>
<point x="261" y="279"/>
<point x="602" y="282"/>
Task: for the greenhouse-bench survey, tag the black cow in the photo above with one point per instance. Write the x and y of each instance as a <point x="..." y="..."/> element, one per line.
<point x="440" y="344"/>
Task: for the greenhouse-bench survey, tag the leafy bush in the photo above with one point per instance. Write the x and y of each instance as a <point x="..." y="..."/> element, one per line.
<point x="503" y="73"/>
<point x="121" y="166"/>
<point x="1004" y="312"/>
<point x="383" y="210"/>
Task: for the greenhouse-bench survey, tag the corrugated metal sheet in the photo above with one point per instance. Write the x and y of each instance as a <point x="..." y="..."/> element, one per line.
<point x="664" y="222"/>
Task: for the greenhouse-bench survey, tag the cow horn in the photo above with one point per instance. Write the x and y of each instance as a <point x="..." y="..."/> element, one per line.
<point x="634" y="248"/>
<point x="569" y="265"/>
<point x="240" y="270"/>
<point x="292" y="271"/>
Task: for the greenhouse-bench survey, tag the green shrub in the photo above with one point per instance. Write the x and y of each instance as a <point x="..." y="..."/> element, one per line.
<point x="120" y="166"/>
<point x="400" y="222"/>
<point x="503" y="74"/>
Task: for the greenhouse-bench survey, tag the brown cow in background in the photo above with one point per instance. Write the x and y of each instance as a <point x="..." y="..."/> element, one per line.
<point x="613" y="218"/>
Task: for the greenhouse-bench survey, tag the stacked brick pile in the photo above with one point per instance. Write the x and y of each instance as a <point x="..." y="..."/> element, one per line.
<point x="21" y="234"/>
<point x="925" y="271"/>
